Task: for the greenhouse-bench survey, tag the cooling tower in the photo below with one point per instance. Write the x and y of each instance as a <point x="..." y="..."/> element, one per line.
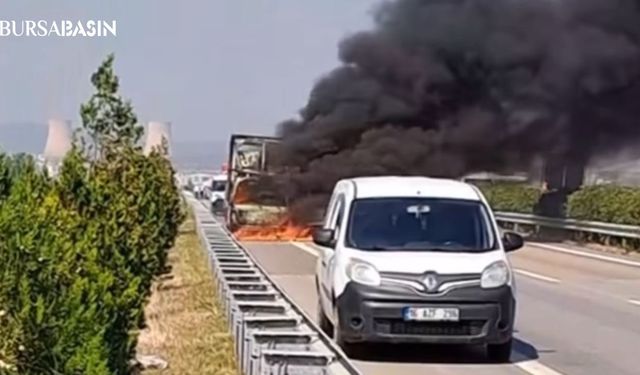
<point x="58" y="140"/>
<point x="156" y="132"/>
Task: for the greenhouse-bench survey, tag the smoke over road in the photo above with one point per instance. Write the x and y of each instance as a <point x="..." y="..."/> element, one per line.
<point x="448" y="87"/>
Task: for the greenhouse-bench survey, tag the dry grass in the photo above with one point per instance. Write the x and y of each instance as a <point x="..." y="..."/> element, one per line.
<point x="186" y="326"/>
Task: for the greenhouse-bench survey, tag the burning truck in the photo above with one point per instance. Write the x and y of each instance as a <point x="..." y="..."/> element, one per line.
<point x="257" y="210"/>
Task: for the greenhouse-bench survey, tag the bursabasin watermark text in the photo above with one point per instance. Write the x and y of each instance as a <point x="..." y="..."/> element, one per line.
<point x="62" y="28"/>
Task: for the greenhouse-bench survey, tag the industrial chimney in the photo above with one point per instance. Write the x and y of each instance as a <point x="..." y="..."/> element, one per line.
<point x="156" y="132"/>
<point x="58" y="140"/>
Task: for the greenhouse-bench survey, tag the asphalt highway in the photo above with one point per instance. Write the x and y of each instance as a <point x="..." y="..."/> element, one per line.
<point x="576" y="315"/>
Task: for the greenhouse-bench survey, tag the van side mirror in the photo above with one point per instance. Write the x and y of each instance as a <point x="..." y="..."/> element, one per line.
<point x="512" y="241"/>
<point x="324" y="237"/>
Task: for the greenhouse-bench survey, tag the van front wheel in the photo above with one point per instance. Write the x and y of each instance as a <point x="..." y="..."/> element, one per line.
<point x="499" y="353"/>
<point x="352" y="350"/>
<point x="323" y="321"/>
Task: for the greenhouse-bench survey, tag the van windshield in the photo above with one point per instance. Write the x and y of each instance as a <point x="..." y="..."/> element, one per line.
<point x="420" y="224"/>
<point x="218" y="186"/>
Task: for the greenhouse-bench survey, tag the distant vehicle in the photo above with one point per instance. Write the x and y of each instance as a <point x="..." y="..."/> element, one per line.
<point x="485" y="177"/>
<point x="217" y="189"/>
<point x="414" y="260"/>
<point x="198" y="183"/>
<point x="199" y="190"/>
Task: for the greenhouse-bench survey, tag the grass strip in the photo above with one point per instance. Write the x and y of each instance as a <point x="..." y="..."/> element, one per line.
<point x="185" y="324"/>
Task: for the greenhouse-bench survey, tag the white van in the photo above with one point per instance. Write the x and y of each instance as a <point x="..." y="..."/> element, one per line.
<point x="217" y="192"/>
<point x="414" y="260"/>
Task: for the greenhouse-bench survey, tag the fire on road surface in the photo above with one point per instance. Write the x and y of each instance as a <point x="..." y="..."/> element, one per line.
<point x="285" y="230"/>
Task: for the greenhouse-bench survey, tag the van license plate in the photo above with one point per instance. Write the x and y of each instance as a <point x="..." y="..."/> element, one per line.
<point x="431" y="314"/>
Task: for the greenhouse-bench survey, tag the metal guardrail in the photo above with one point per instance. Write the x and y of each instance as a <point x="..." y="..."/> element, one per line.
<point x="607" y="229"/>
<point x="272" y="334"/>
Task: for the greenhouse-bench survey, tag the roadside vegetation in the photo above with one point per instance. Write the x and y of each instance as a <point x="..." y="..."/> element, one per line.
<point x="605" y="203"/>
<point x="185" y="325"/>
<point x="511" y="197"/>
<point x="79" y="251"/>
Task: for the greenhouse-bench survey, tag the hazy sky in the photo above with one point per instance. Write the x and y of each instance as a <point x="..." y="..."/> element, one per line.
<point x="211" y="67"/>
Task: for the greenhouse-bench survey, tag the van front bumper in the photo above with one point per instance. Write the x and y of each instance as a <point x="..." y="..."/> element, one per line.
<point x="375" y="314"/>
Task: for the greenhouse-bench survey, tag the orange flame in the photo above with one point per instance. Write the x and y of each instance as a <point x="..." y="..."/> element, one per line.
<point x="285" y="230"/>
<point x="242" y="195"/>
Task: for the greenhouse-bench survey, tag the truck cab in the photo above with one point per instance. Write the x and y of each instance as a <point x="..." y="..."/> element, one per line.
<point x="414" y="260"/>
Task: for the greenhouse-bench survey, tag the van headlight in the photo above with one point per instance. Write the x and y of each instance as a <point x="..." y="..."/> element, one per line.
<point x="363" y="273"/>
<point x="495" y="275"/>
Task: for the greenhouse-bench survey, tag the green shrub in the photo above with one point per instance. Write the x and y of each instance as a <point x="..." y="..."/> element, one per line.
<point x="5" y="176"/>
<point x="78" y="253"/>
<point x="51" y="303"/>
<point x="511" y="197"/>
<point x="19" y="253"/>
<point x="606" y="203"/>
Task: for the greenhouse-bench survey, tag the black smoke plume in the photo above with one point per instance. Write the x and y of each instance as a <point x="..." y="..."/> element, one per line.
<point x="448" y="87"/>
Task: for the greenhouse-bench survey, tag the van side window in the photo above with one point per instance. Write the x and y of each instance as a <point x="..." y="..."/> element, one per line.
<point x="330" y="213"/>
<point x="337" y="223"/>
<point x="340" y="213"/>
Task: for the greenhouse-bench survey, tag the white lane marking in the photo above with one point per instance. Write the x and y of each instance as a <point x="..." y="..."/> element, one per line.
<point x="306" y="248"/>
<point x="536" y="276"/>
<point x="585" y="254"/>
<point x="534" y="367"/>
<point x="634" y="302"/>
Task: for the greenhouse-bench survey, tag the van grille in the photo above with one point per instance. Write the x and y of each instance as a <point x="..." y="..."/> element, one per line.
<point x="400" y="327"/>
